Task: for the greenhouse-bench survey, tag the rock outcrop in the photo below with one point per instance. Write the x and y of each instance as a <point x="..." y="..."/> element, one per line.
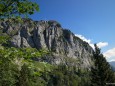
<point x="51" y="36"/>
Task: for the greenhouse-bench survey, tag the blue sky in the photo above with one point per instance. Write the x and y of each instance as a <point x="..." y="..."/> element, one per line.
<point x="92" y="19"/>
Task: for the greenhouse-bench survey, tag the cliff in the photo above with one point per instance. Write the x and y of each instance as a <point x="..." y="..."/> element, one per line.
<point x="51" y="36"/>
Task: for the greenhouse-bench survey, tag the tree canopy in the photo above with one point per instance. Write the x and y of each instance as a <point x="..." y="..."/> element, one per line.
<point x="10" y="8"/>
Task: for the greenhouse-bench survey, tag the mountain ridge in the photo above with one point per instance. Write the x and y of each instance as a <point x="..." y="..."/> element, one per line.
<point x="112" y="63"/>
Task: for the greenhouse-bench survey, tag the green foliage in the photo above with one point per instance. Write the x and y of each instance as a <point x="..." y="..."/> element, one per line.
<point x="17" y="68"/>
<point x="4" y="38"/>
<point x="63" y="75"/>
<point x="11" y="8"/>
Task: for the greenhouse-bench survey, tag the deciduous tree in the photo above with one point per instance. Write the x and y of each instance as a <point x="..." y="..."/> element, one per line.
<point x="9" y="8"/>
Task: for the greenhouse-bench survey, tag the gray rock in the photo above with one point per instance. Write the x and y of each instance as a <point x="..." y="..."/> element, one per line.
<point x="51" y="36"/>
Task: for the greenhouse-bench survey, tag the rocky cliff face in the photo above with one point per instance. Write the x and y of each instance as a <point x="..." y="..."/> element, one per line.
<point x="51" y="36"/>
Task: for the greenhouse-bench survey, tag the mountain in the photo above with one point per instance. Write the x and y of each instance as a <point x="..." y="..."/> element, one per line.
<point x="44" y="53"/>
<point x="48" y="35"/>
<point x="112" y="63"/>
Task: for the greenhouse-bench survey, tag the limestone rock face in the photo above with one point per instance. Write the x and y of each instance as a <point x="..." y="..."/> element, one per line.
<point x="51" y="36"/>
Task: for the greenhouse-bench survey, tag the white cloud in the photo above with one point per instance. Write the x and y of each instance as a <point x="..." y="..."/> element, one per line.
<point x="85" y="39"/>
<point x="110" y="53"/>
<point x="102" y="44"/>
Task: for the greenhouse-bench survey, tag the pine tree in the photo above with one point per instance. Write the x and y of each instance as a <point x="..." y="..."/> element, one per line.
<point x="101" y="72"/>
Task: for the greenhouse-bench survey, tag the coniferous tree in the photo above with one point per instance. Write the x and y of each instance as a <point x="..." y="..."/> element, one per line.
<point x="101" y="72"/>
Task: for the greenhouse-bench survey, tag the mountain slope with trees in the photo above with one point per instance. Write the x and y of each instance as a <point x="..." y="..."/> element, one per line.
<point x="42" y="53"/>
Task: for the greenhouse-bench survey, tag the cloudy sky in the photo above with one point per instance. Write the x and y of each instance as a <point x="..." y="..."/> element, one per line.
<point x="91" y="20"/>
